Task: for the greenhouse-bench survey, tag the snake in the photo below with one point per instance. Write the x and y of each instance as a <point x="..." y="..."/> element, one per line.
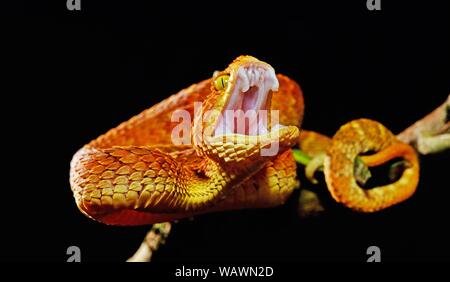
<point x="225" y="143"/>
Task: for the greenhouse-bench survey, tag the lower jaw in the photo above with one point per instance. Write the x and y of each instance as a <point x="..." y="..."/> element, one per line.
<point x="133" y="218"/>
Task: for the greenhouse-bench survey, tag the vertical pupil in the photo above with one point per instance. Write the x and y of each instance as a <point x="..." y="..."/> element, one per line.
<point x="223" y="82"/>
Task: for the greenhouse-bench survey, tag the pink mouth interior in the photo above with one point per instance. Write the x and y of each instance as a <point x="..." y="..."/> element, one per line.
<point x="247" y="108"/>
<point x="250" y="98"/>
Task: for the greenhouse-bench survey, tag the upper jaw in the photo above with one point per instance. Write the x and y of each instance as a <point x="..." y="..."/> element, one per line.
<point x="248" y="92"/>
<point x="257" y="74"/>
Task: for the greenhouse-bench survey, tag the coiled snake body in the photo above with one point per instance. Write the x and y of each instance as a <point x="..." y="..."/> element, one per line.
<point x="135" y="174"/>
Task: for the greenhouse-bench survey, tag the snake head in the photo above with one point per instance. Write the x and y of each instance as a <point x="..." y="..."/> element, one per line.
<point x="236" y="122"/>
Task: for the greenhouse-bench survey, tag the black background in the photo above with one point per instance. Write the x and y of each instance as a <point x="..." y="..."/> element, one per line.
<point x="83" y="72"/>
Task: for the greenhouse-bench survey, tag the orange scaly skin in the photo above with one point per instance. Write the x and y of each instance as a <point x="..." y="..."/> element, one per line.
<point x="357" y="137"/>
<point x="313" y="143"/>
<point x="352" y="139"/>
<point x="134" y="175"/>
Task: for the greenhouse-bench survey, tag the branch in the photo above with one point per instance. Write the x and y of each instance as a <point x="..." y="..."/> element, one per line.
<point x="154" y="238"/>
<point x="430" y="134"/>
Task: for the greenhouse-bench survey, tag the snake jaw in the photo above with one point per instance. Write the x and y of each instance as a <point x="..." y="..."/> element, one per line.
<point x="248" y="95"/>
<point x="134" y="175"/>
<point x="239" y="123"/>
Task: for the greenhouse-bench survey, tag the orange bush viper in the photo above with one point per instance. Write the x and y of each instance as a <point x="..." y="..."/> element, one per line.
<point x="134" y="174"/>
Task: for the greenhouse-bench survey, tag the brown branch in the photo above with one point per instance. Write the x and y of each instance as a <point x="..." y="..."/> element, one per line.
<point x="430" y="134"/>
<point x="154" y="238"/>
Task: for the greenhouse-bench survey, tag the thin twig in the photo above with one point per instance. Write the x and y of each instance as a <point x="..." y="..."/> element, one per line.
<point x="430" y="134"/>
<point x="154" y="238"/>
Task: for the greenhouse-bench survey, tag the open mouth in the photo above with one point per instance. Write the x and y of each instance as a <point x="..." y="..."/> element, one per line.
<point x="247" y="111"/>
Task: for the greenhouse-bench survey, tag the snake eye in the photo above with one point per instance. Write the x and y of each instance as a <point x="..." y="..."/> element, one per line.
<point x="221" y="82"/>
